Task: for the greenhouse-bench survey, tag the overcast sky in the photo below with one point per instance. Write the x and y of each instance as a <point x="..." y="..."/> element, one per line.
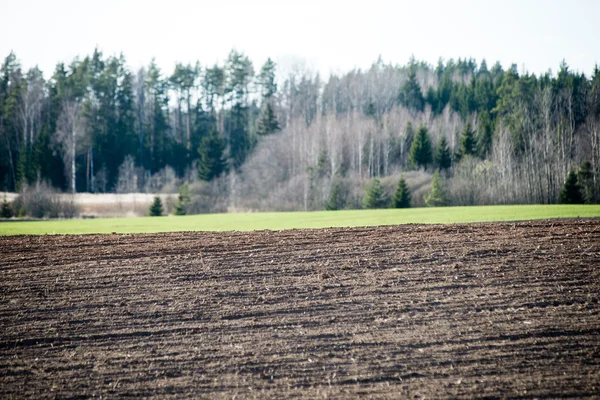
<point x="328" y="35"/>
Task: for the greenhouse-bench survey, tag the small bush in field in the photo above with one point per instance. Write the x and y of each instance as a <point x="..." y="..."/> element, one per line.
<point x="156" y="208"/>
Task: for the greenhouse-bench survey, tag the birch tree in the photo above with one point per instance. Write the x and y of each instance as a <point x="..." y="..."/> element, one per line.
<point x="68" y="135"/>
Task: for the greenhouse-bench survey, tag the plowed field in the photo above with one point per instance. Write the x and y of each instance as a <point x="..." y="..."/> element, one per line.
<point x="482" y="310"/>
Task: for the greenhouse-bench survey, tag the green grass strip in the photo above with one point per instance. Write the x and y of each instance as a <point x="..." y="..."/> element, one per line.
<point x="291" y="220"/>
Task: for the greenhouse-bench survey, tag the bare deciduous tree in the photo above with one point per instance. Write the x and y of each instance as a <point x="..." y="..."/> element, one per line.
<point x="69" y="133"/>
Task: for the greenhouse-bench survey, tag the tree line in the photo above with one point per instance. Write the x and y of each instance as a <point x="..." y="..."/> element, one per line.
<point x="257" y="139"/>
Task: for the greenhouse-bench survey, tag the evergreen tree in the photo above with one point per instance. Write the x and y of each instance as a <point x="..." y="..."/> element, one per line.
<point x="437" y="197"/>
<point x="267" y="80"/>
<point x="239" y="73"/>
<point x="158" y="141"/>
<point x="486" y="132"/>
<point x="6" y="211"/>
<point x="212" y="162"/>
<point x="183" y="200"/>
<point x="409" y="135"/>
<point x="267" y="123"/>
<point x="375" y="195"/>
<point x="323" y="164"/>
<point x="21" y="167"/>
<point x="467" y="141"/>
<point x="420" y="151"/>
<point x="401" y="197"/>
<point x="156" y="208"/>
<point x="337" y="197"/>
<point x="442" y="158"/>
<point x="571" y="191"/>
<point x="585" y="177"/>
<point x="410" y="94"/>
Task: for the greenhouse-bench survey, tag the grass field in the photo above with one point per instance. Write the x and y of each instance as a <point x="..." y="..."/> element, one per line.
<point x="291" y="220"/>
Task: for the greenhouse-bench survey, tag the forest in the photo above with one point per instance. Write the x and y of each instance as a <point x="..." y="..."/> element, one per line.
<point x="235" y="137"/>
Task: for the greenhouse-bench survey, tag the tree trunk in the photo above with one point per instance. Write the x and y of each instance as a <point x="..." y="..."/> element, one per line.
<point x="189" y="123"/>
<point x="73" y="161"/>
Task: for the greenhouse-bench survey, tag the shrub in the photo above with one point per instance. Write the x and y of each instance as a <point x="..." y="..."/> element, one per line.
<point x="6" y="211"/>
<point x="42" y="201"/>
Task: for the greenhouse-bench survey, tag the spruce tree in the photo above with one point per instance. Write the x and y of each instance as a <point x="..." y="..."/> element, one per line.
<point x="468" y="145"/>
<point x="267" y="123"/>
<point x="156" y="208"/>
<point x="183" y="200"/>
<point x="337" y="197"/>
<point x="410" y="94"/>
<point x="420" y="151"/>
<point x="212" y="162"/>
<point x="437" y="197"/>
<point x="266" y="80"/>
<point x="486" y="134"/>
<point x="401" y="197"/>
<point x="6" y="211"/>
<point x="323" y="164"/>
<point x="571" y="191"/>
<point x="442" y="158"/>
<point x="585" y="178"/>
<point x="374" y="195"/>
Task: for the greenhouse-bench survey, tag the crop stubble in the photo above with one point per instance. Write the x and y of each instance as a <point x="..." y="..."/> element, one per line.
<point x="480" y="310"/>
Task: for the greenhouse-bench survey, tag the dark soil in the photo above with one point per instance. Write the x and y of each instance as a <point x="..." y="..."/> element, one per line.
<point x="459" y="311"/>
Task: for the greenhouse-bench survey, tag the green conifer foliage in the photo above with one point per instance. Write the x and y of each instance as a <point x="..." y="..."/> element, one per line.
<point x="337" y="197"/>
<point x="442" y="158"/>
<point x="267" y="123"/>
<point x="410" y="94"/>
<point x="212" y="162"/>
<point x="374" y="195"/>
<point x="571" y="191"/>
<point x="437" y="197"/>
<point x="420" y="151"/>
<point x="468" y="145"/>
<point x="585" y="178"/>
<point x="401" y="197"/>
<point x="156" y="208"/>
<point x="183" y="200"/>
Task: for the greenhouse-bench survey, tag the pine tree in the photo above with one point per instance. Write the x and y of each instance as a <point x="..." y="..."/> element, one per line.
<point x="437" y="197"/>
<point x="183" y="200"/>
<point x="6" y="211"/>
<point x="571" y="192"/>
<point x="374" y="195"/>
<point x="420" y="151"/>
<point x="442" y="158"/>
<point x="156" y="208"/>
<point x="401" y="198"/>
<point x="212" y="162"/>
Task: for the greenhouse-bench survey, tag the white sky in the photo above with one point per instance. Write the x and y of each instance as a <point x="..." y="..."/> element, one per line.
<point x="328" y="35"/>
